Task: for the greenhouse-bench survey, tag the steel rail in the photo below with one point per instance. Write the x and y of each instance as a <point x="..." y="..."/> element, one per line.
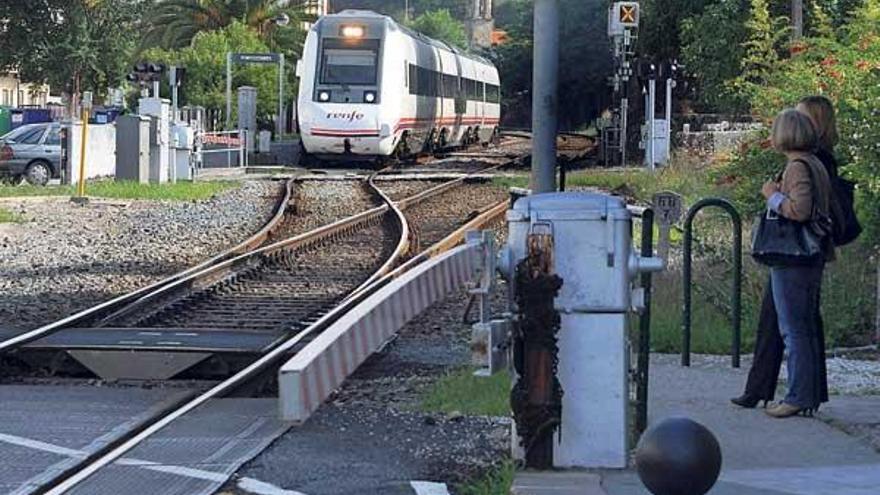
<point x="129" y="298"/>
<point x="402" y="246"/>
<point x="282" y="350"/>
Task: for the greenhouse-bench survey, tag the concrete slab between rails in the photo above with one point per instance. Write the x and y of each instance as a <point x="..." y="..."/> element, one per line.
<point x="46" y="430"/>
<point x="319" y="368"/>
<point x="196" y="454"/>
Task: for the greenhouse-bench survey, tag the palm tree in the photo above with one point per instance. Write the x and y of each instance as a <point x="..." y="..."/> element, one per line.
<point x="175" y="23"/>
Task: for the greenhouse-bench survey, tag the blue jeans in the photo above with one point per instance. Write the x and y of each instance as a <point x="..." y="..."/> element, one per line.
<point x="796" y="296"/>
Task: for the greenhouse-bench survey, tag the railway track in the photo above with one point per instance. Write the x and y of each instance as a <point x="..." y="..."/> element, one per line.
<point x="275" y="293"/>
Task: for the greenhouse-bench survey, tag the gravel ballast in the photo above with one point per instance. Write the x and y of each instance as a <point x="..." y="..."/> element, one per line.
<point x="66" y="257"/>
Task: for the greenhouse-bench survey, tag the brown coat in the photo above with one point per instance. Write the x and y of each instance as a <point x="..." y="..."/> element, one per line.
<point x="797" y="185"/>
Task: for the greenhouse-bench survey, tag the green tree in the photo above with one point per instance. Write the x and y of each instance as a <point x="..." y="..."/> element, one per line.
<point x="584" y="61"/>
<point x="395" y="8"/>
<point x="820" y="23"/>
<point x="440" y="25"/>
<point x="710" y="64"/>
<point x="205" y="62"/>
<point x="74" y="45"/>
<point x="660" y="26"/>
<point x="846" y="69"/>
<point x="764" y="40"/>
<point x="175" y="23"/>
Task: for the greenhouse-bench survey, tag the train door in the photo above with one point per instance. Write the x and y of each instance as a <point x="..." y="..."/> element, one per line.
<point x="460" y="98"/>
<point x="481" y="95"/>
<point x="440" y="94"/>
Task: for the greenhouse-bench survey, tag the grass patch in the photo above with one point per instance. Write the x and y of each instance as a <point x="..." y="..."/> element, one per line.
<point x="181" y="191"/>
<point x="687" y="176"/>
<point x="468" y="394"/>
<point x="8" y="216"/>
<point x="496" y="482"/>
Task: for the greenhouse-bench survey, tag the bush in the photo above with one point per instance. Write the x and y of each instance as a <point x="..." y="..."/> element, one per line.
<point x="846" y="69"/>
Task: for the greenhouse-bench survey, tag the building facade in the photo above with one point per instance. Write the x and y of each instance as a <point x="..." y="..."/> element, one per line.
<point x="14" y="93"/>
<point x="318" y="7"/>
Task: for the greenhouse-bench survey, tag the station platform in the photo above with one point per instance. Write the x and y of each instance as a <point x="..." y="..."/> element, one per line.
<point x="761" y="455"/>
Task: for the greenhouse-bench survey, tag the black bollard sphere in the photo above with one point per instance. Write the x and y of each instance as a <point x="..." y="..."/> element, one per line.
<point x="678" y="456"/>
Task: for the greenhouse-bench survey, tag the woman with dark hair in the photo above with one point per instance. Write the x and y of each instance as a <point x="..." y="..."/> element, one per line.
<point x="769" y="344"/>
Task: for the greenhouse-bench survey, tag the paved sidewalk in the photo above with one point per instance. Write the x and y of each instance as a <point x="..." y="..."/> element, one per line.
<point x="762" y="455"/>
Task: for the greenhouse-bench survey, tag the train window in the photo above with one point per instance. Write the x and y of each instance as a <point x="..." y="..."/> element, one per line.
<point x="450" y="86"/>
<point x="342" y="66"/>
<point x="413" y="80"/>
<point x="493" y="93"/>
<point x="472" y="90"/>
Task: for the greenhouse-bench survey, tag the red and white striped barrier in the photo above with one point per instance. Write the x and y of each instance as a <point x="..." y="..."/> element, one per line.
<point x="317" y="370"/>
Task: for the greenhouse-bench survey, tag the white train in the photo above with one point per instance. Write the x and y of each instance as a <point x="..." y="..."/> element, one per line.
<point x="371" y="88"/>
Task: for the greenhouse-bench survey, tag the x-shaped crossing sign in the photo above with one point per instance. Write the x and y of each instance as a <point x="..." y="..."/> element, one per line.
<point x="629" y="14"/>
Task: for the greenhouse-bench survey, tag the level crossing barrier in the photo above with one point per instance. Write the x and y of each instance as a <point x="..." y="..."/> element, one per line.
<point x="736" y="295"/>
<point x="313" y="373"/>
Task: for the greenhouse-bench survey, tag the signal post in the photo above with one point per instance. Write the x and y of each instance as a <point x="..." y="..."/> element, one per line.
<point x="623" y="23"/>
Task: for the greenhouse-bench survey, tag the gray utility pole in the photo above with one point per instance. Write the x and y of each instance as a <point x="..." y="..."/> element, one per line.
<point x="650" y="154"/>
<point x="670" y="85"/>
<point x="797" y="19"/>
<point x="172" y="170"/>
<point x="279" y="122"/>
<point x="228" y="90"/>
<point x="545" y="104"/>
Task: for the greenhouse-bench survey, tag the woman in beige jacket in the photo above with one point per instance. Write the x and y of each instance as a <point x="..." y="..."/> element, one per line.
<point x="803" y="195"/>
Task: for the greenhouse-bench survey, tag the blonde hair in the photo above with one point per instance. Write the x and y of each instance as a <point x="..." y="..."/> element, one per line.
<point x="821" y="112"/>
<point x="793" y="131"/>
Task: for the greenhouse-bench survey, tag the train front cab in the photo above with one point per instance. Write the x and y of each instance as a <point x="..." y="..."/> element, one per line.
<point x="340" y="99"/>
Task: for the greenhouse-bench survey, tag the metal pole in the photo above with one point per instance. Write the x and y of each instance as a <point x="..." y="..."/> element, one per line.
<point x="652" y="94"/>
<point x="156" y="87"/>
<point x="644" y="358"/>
<point x="228" y="90"/>
<point x="624" y="108"/>
<point x="670" y="83"/>
<point x="279" y="124"/>
<point x="172" y="171"/>
<point x="544" y="95"/>
<point x="242" y="152"/>
<point x="736" y="296"/>
<point x="81" y="183"/>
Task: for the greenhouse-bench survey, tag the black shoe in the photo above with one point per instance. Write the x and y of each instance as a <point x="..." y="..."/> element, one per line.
<point x="747" y="401"/>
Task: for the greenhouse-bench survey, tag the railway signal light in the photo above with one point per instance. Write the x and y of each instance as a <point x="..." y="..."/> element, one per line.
<point x="145" y="72"/>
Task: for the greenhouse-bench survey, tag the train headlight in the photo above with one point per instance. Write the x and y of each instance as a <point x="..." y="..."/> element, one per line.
<point x="324" y="96"/>
<point x="370" y="96"/>
<point x="352" y="31"/>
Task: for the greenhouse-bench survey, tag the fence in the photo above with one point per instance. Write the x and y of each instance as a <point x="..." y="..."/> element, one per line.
<point x="216" y="149"/>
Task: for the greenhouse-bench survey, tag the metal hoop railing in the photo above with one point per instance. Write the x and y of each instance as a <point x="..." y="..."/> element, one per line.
<point x="736" y="296"/>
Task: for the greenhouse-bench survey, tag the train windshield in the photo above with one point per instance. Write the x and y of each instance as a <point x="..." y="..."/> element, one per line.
<point x="350" y="67"/>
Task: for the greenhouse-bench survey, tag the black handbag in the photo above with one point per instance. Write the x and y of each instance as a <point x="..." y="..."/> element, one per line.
<point x="778" y="241"/>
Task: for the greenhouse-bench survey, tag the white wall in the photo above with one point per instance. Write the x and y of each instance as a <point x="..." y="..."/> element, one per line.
<point x="100" y="151"/>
